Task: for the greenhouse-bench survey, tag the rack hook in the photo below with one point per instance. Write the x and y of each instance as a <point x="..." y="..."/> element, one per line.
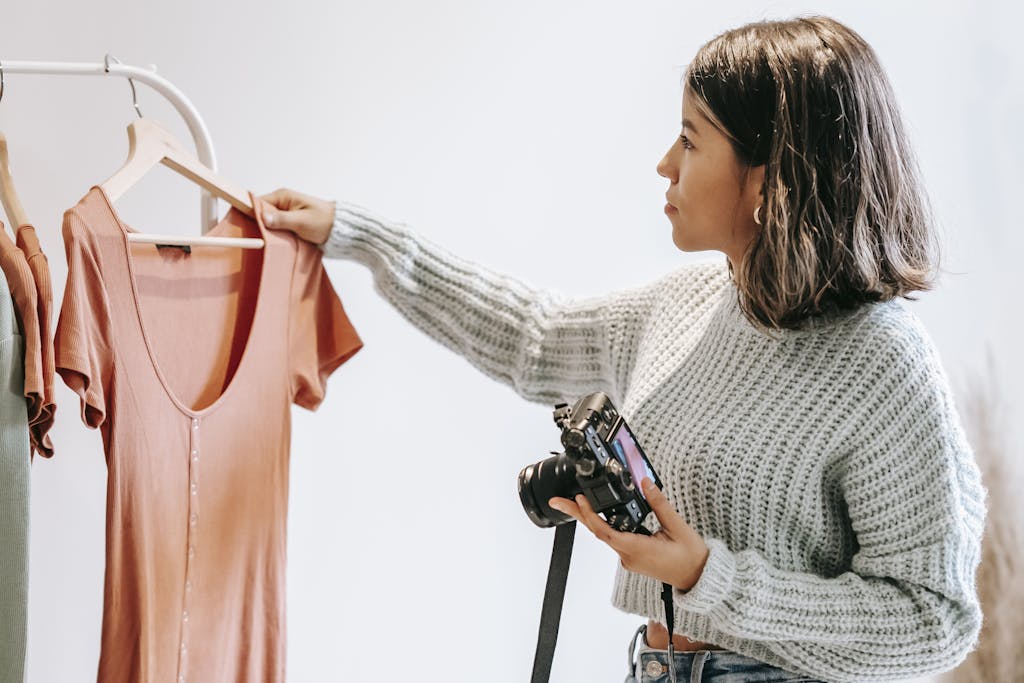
<point x="131" y="83"/>
<point x="1" y="82"/>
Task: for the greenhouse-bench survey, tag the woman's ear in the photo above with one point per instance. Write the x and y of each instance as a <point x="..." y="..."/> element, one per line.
<point x="754" y="187"/>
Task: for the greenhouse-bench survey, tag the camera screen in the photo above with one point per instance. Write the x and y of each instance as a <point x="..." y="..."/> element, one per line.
<point x="630" y="455"/>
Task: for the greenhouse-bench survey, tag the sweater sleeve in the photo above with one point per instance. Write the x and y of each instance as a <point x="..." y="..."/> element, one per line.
<point x="547" y="347"/>
<point x="907" y="606"/>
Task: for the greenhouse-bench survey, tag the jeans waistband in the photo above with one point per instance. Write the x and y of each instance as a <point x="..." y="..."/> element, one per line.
<point x="650" y="665"/>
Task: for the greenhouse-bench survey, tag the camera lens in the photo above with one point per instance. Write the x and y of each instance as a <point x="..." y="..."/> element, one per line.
<point x="541" y="482"/>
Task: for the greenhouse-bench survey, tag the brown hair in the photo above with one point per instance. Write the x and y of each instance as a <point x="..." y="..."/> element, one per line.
<point x="845" y="217"/>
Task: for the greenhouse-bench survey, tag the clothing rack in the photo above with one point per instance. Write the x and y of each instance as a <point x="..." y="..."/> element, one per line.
<point x="111" y="67"/>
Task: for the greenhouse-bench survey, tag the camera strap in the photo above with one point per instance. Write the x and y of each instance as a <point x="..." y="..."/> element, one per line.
<point x="554" y="597"/>
<point x="670" y="618"/>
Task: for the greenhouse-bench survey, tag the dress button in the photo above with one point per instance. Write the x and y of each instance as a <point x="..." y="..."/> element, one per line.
<point x="193" y="519"/>
<point x="195" y="451"/>
<point x="184" y="615"/>
<point x="191" y="551"/>
<point x="181" y="679"/>
<point x="194" y="489"/>
<point x="195" y="424"/>
<point x="188" y="586"/>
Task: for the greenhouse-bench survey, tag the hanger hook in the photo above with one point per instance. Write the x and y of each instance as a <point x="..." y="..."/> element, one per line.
<point x="131" y="83"/>
<point x="1" y="82"/>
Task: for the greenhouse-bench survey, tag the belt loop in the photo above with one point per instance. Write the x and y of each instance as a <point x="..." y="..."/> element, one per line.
<point x="697" y="672"/>
<point x="631" y="657"/>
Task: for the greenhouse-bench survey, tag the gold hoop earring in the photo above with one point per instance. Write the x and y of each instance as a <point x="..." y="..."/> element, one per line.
<point x="757" y="214"/>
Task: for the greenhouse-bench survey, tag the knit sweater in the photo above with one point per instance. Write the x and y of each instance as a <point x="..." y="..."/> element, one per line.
<point x="826" y="468"/>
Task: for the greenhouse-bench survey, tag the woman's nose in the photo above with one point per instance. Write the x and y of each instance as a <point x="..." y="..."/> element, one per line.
<point x="666" y="168"/>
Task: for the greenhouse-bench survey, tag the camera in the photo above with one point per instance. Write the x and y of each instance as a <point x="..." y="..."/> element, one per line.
<point x="602" y="460"/>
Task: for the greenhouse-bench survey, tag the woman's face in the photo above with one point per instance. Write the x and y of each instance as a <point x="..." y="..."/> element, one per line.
<point x="712" y="196"/>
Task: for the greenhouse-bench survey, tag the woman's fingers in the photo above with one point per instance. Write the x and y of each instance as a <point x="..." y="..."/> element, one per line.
<point x="286" y="212"/>
<point x="670" y="520"/>
<point x="566" y="506"/>
<point x="580" y="510"/>
<point x="594" y="522"/>
<point x="308" y="217"/>
<point x="280" y="198"/>
<point x="675" y="555"/>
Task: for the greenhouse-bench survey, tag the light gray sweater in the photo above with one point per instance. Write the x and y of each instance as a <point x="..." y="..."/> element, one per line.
<point x="826" y="468"/>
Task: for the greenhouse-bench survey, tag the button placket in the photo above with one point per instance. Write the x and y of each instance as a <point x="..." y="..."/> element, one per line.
<point x="191" y="536"/>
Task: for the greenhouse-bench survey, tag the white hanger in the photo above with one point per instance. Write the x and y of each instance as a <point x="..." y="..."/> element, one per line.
<point x="148" y="145"/>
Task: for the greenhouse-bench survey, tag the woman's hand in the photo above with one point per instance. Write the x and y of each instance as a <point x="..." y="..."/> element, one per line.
<point x="308" y="217"/>
<point x="674" y="555"/>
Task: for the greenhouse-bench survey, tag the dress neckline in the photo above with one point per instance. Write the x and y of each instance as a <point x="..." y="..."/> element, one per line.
<point x="125" y="231"/>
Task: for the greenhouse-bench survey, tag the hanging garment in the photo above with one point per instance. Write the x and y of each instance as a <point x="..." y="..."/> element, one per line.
<point x="188" y="363"/>
<point x="28" y="242"/>
<point x="14" y="493"/>
<point x="26" y="306"/>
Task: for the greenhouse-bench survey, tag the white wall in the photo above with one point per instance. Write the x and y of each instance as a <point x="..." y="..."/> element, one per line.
<point x="520" y="134"/>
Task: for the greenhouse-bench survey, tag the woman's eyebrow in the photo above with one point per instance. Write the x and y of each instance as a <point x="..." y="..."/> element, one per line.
<point x="687" y="123"/>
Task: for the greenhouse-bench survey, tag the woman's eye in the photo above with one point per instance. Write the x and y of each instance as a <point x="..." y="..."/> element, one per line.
<point x="686" y="142"/>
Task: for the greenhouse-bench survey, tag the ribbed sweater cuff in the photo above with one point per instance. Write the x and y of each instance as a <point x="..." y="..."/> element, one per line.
<point x="714" y="584"/>
<point x="350" y="222"/>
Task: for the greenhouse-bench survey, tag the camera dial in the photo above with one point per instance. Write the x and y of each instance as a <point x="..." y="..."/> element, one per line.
<point x="615" y="469"/>
<point x="586" y="466"/>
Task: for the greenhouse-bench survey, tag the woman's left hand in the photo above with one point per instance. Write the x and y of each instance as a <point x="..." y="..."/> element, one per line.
<point x="674" y="555"/>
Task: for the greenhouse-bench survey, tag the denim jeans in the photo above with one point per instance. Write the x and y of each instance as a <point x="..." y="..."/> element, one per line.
<point x="713" y="666"/>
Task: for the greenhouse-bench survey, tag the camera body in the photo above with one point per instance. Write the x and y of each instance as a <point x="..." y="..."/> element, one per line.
<point x="602" y="460"/>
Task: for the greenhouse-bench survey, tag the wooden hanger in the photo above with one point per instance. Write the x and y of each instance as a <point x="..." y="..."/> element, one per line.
<point x="8" y="196"/>
<point x="148" y="145"/>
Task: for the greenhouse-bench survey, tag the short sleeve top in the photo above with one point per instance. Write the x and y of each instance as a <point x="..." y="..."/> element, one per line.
<point x="188" y="364"/>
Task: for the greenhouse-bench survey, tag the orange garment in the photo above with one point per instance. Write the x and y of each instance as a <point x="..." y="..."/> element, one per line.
<point x="188" y="364"/>
<point x="26" y="304"/>
<point x="28" y="242"/>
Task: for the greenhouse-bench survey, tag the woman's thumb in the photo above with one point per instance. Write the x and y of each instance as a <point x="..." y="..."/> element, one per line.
<point x="279" y="220"/>
<point x="276" y="203"/>
<point x="308" y="217"/>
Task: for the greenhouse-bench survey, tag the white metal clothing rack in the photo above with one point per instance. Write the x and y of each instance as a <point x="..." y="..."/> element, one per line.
<point x="111" y="67"/>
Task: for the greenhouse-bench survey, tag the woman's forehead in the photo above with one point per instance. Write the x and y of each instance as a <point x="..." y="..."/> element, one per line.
<point x="690" y="107"/>
<point x="693" y="117"/>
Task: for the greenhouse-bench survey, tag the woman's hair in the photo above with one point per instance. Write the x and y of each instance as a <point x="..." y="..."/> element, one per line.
<point x="845" y="217"/>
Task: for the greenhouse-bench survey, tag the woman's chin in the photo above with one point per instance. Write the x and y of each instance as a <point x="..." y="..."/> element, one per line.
<point x="686" y="240"/>
<point x="680" y="241"/>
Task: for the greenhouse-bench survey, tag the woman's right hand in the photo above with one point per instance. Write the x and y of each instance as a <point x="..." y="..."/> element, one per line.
<point x="308" y="217"/>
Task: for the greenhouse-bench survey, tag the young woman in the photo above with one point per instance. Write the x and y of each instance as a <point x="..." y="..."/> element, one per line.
<point x="822" y="512"/>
